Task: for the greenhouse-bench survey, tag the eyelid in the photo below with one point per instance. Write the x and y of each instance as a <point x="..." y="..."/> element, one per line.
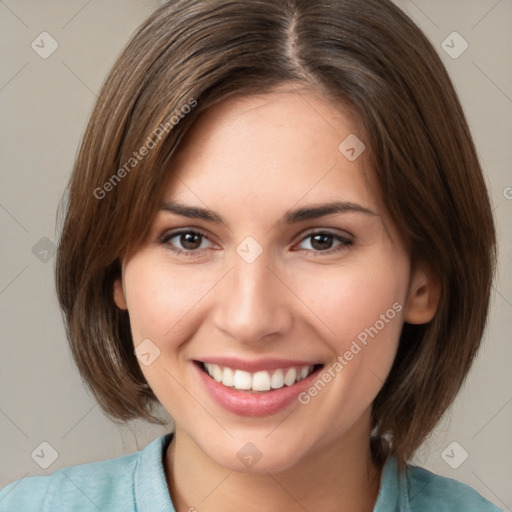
<point x="171" y="233"/>
<point x="328" y="231"/>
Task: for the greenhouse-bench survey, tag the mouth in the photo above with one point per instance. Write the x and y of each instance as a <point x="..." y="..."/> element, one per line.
<point x="262" y="381"/>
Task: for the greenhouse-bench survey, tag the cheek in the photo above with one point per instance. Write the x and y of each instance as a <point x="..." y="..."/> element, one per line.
<point x="360" y="308"/>
<point x="162" y="306"/>
<point x="363" y="310"/>
<point x="161" y="302"/>
<point x="350" y="300"/>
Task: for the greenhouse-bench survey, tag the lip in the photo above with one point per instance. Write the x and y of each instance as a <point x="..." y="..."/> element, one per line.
<point x="255" y="404"/>
<point x="257" y="365"/>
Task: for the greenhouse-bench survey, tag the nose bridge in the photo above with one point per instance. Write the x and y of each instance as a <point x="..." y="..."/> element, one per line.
<point x="253" y="305"/>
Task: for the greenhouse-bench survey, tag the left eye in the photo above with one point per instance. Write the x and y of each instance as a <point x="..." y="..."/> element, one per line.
<point x="322" y="241"/>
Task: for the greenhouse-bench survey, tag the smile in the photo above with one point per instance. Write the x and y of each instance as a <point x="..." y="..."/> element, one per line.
<point x="255" y="389"/>
<point x="259" y="381"/>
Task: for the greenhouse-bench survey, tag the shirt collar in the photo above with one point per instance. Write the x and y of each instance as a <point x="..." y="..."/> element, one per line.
<point x="393" y="494"/>
<point x="150" y="484"/>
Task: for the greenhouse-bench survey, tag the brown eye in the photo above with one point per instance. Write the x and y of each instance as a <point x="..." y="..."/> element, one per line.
<point x="323" y="241"/>
<point x="186" y="242"/>
<point x="190" y="241"/>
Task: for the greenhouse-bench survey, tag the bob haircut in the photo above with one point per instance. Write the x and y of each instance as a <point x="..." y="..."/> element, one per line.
<point x="365" y="54"/>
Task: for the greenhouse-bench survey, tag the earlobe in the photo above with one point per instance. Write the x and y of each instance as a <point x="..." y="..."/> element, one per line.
<point x="423" y="298"/>
<point x="119" y="297"/>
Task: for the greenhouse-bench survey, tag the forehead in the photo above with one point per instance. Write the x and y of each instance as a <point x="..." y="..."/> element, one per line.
<point x="271" y="150"/>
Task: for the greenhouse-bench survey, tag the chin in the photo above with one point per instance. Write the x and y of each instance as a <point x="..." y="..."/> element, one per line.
<point x="256" y="457"/>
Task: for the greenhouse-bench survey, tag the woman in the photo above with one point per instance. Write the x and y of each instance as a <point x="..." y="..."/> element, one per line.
<point x="278" y="229"/>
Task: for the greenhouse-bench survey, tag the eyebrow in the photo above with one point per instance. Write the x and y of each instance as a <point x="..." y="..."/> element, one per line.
<point x="290" y="217"/>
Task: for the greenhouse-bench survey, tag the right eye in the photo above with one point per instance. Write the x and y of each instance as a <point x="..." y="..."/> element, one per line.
<point x="189" y="239"/>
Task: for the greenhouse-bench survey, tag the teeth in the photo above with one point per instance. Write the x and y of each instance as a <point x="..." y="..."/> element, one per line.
<point x="290" y="376"/>
<point x="228" y="377"/>
<point x="261" y="381"/>
<point x="217" y="373"/>
<point x="242" y="380"/>
<point x="277" y="380"/>
<point x="258" y="381"/>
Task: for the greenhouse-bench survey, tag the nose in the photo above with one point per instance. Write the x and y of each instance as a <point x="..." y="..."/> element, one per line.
<point x="254" y="302"/>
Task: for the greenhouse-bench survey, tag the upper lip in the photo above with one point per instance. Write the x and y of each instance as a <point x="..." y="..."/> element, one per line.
<point x="258" y="364"/>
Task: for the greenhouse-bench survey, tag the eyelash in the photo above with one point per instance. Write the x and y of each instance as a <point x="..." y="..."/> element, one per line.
<point x="164" y="240"/>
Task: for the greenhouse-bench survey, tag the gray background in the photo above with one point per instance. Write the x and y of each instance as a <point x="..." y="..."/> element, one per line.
<point x="45" y="104"/>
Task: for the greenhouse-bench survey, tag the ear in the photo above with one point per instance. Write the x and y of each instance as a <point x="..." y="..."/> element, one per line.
<point x="119" y="297"/>
<point x="423" y="298"/>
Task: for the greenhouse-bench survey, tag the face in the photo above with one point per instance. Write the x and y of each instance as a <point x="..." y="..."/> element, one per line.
<point x="263" y="319"/>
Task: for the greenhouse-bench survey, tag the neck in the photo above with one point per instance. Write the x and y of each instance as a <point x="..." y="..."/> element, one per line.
<point x="342" y="477"/>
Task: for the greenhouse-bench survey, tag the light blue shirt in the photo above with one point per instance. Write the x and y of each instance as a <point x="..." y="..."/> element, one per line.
<point x="136" y="483"/>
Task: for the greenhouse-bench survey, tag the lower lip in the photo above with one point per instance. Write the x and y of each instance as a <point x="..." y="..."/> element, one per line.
<point x="254" y="404"/>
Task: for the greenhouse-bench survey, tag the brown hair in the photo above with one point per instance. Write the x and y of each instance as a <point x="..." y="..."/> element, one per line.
<point x="365" y="53"/>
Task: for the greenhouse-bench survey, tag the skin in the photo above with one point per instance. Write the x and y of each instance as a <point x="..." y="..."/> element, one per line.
<point x="250" y="159"/>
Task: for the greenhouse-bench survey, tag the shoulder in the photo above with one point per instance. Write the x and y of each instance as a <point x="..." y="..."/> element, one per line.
<point x="88" y="487"/>
<point x="428" y="491"/>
